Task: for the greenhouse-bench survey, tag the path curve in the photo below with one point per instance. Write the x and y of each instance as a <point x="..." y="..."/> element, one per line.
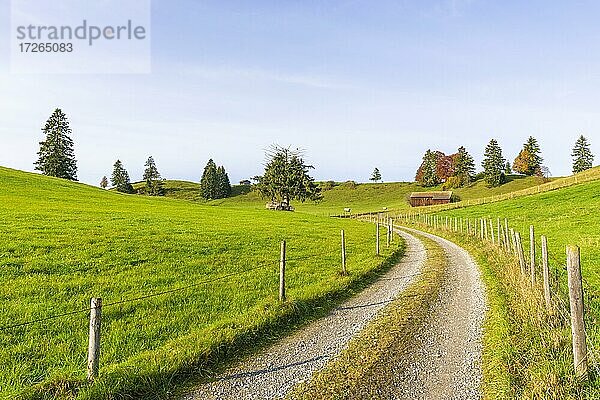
<point x="445" y="362"/>
<point x="273" y="372"/>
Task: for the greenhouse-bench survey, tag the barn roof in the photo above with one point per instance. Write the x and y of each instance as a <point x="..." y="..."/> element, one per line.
<point x="431" y="195"/>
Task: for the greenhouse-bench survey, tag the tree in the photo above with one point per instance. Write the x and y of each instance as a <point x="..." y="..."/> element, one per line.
<point x="153" y="179"/>
<point x="120" y="178"/>
<point x="427" y="172"/>
<point x="223" y="184"/>
<point x="508" y="168"/>
<point x="444" y="166"/>
<point x="464" y="166"/>
<point x="56" y="156"/>
<point x="287" y="178"/>
<point x="376" y="175"/>
<point x="104" y="182"/>
<point x="582" y="155"/>
<point x="215" y="182"/>
<point x="493" y="164"/>
<point x="529" y="161"/>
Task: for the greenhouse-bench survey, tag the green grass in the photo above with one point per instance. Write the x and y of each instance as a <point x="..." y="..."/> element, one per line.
<point x="362" y="371"/>
<point x="526" y="350"/>
<point x="362" y="197"/>
<point x="65" y="242"/>
<point x="185" y="190"/>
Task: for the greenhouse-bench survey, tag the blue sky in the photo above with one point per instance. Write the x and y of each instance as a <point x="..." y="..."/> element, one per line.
<point x="357" y="84"/>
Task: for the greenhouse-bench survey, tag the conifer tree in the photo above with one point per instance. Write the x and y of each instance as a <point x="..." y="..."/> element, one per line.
<point x="223" y="184"/>
<point x="464" y="166"/>
<point x="376" y="175"/>
<point x="494" y="164"/>
<point x="153" y="179"/>
<point x="209" y="181"/>
<point x="287" y="178"/>
<point x="427" y="172"/>
<point x="56" y="156"/>
<point x="529" y="161"/>
<point x="104" y="182"/>
<point x="120" y="178"/>
<point x="508" y="168"/>
<point x="582" y="155"/>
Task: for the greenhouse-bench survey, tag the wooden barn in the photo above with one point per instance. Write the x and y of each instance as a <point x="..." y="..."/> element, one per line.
<point x="418" y="199"/>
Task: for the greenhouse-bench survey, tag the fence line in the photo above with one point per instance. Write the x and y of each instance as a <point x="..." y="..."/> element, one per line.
<point x="568" y="301"/>
<point x="96" y="304"/>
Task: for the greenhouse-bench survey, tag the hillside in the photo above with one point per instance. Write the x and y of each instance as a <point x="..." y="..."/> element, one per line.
<point x="359" y="197"/>
<point x="65" y="242"/>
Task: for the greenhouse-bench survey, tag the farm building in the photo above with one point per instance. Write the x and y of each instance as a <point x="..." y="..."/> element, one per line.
<point x="418" y="199"/>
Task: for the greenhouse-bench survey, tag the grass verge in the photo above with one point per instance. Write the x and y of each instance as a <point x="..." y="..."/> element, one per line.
<point x="362" y="370"/>
<point x="526" y="349"/>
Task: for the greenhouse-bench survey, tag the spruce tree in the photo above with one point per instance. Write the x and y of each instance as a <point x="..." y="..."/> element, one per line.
<point x="153" y="179"/>
<point x="582" y="155"/>
<point x="104" y="182"/>
<point x="120" y="178"/>
<point x="427" y="173"/>
<point x="209" y="182"/>
<point x="494" y="164"/>
<point x="508" y="168"/>
<point x="529" y="161"/>
<point x="376" y="175"/>
<point x="223" y="184"/>
<point x="56" y="156"/>
<point x="464" y="166"/>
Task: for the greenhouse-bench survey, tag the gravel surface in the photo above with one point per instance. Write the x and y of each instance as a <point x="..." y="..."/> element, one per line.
<point x="446" y="361"/>
<point x="273" y="372"/>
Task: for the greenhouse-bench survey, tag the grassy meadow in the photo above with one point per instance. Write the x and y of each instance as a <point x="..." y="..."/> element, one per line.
<point x="64" y="242"/>
<point x="361" y="197"/>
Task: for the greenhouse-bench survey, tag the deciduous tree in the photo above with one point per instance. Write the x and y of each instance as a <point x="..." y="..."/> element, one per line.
<point x="104" y="182"/>
<point x="529" y="161"/>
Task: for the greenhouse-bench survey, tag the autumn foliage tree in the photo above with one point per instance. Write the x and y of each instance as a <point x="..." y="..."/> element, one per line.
<point x="455" y="170"/>
<point x="529" y="160"/>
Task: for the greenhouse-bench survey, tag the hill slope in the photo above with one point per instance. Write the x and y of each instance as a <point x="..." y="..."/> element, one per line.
<point x="359" y="197"/>
<point x="65" y="242"/>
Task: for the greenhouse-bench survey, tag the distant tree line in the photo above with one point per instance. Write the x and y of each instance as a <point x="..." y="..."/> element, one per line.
<point x="458" y="169"/>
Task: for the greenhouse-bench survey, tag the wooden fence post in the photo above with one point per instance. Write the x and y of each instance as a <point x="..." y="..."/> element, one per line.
<point x="546" y="272"/>
<point x="377" y="238"/>
<point x="343" y="253"/>
<point x="492" y="232"/>
<point x="532" y="253"/>
<point x="506" y="233"/>
<point x="282" y="272"/>
<point x="499" y="227"/>
<point x="576" y="303"/>
<point x="392" y="230"/>
<point x="520" y="251"/>
<point x="93" y="365"/>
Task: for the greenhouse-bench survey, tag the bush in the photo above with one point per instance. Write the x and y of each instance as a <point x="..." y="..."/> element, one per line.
<point x="349" y="185"/>
<point x="327" y="185"/>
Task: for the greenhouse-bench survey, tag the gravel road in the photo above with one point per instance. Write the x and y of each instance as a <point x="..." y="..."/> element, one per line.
<point x="273" y="372"/>
<point x="446" y="360"/>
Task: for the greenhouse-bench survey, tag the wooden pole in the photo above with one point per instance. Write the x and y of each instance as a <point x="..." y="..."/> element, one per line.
<point x="377" y="239"/>
<point x="492" y="232"/>
<point x="507" y="234"/>
<point x="532" y="253"/>
<point x="93" y="365"/>
<point x="392" y="230"/>
<point x="388" y="235"/>
<point x="546" y="273"/>
<point x="499" y="226"/>
<point x="576" y="302"/>
<point x="282" y="272"/>
<point x="343" y="253"/>
<point x="520" y="251"/>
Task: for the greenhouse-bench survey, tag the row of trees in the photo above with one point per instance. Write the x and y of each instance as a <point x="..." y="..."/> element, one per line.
<point x="458" y="169"/>
<point x="455" y="170"/>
